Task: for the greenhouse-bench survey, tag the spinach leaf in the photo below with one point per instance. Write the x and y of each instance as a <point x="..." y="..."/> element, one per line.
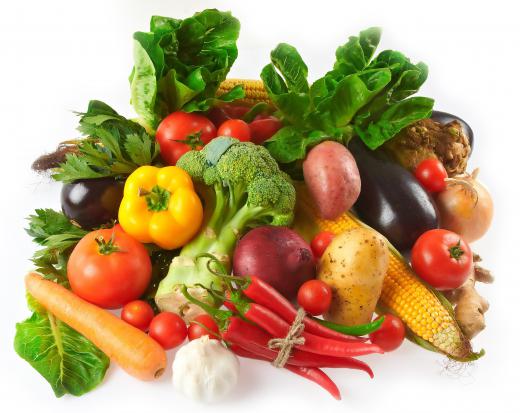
<point x="65" y="358"/>
<point x="115" y="146"/>
<point x="180" y="64"/>
<point x="362" y="95"/>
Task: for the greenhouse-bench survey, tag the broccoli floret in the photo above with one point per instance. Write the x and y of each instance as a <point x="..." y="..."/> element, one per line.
<point x="246" y="189"/>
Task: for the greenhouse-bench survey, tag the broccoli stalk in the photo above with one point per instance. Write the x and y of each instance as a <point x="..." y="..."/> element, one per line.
<point x="242" y="187"/>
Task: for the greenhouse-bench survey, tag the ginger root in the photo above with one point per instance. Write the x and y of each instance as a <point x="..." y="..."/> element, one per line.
<point x="469" y="305"/>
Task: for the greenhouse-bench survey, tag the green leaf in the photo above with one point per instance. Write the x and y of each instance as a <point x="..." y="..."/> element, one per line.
<point x="289" y="144"/>
<point x="291" y="66"/>
<point x="143" y="86"/>
<point x="65" y="358"/>
<point x="235" y="93"/>
<point x="115" y="146"/>
<point x="395" y="118"/>
<point x="180" y="64"/>
<point x="58" y="236"/>
<point x="351" y="94"/>
<point x="354" y="56"/>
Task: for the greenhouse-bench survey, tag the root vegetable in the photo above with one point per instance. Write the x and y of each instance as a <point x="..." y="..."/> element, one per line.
<point x="354" y="265"/>
<point x="465" y="207"/>
<point x="277" y="255"/>
<point x="332" y="176"/>
<point x="133" y="350"/>
<point x="470" y="306"/>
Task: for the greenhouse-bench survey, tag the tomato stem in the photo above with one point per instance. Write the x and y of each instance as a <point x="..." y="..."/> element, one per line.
<point x="456" y="251"/>
<point x="107" y="247"/>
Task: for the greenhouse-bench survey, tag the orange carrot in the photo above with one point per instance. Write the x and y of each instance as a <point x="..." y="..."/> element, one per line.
<point x="137" y="353"/>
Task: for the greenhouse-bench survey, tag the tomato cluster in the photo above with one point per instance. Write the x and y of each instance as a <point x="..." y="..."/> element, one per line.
<point x="181" y="132"/>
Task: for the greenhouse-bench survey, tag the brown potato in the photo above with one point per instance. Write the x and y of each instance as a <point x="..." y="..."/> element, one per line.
<point x="354" y="265"/>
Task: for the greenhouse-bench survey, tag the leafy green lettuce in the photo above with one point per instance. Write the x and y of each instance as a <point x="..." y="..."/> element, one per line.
<point x="65" y="358"/>
<point x="179" y="64"/>
<point x="361" y="96"/>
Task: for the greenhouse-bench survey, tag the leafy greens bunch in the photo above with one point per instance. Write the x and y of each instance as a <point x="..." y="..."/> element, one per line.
<point x="179" y="64"/>
<point x="362" y="96"/>
<point x="114" y="146"/>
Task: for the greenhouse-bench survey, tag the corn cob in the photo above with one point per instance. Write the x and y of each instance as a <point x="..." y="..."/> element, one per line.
<point x="254" y="89"/>
<point x="426" y="313"/>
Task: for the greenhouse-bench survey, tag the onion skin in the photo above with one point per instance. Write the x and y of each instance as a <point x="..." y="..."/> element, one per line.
<point x="463" y="211"/>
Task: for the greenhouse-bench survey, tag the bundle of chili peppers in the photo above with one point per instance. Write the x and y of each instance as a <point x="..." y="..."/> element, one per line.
<point x="257" y="313"/>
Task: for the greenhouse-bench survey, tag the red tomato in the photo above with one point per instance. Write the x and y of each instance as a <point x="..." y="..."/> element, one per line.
<point x="320" y="243"/>
<point x="138" y="313"/>
<point x="442" y="258"/>
<point x="168" y="329"/>
<point x="235" y="128"/>
<point x="109" y="268"/>
<point x="431" y="175"/>
<point x="314" y="296"/>
<point x="196" y="329"/>
<point x="178" y="127"/>
<point x="264" y="128"/>
<point x="390" y="335"/>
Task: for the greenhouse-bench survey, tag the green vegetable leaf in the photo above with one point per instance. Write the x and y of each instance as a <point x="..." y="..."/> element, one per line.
<point x="115" y="146"/>
<point x="65" y="358"/>
<point x="288" y="144"/>
<point x="180" y="64"/>
<point x="58" y="236"/>
<point x="354" y="56"/>
<point x="395" y="118"/>
<point x="362" y="95"/>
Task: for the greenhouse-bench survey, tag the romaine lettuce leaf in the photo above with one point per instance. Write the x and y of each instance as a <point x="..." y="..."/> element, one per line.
<point x="66" y="359"/>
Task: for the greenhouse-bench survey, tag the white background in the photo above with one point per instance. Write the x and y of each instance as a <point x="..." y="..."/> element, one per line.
<point x="55" y="56"/>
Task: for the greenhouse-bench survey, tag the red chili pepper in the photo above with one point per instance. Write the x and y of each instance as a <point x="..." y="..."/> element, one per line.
<point x="262" y="293"/>
<point x="253" y="339"/>
<point x="278" y="327"/>
<point x="310" y="373"/>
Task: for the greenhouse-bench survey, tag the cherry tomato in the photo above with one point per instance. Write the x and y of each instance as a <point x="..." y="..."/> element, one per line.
<point x="138" y="313"/>
<point x="235" y="128"/>
<point x="320" y="243"/>
<point x="168" y="329"/>
<point x="179" y="127"/>
<point x="264" y="128"/>
<point x="431" y="174"/>
<point x="390" y="335"/>
<point x="195" y="330"/>
<point x="442" y="258"/>
<point x="109" y="268"/>
<point x="314" y="296"/>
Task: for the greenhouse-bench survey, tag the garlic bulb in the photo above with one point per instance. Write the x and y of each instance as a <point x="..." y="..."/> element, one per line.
<point x="205" y="370"/>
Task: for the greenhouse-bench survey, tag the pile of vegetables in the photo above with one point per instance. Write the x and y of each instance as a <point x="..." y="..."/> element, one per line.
<point x="204" y="219"/>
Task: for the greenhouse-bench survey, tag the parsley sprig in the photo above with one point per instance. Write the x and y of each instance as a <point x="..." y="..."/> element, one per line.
<point x="114" y="146"/>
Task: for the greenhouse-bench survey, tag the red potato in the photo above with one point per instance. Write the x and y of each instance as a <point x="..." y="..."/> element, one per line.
<point x="332" y="176"/>
<point x="278" y="256"/>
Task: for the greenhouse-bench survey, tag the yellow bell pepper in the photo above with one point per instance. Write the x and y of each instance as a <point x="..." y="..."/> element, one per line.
<point x="160" y="205"/>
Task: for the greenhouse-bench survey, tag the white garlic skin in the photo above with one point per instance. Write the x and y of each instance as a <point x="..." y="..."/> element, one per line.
<point x="205" y="370"/>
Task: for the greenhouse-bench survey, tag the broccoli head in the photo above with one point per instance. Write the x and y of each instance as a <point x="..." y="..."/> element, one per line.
<point x="243" y="188"/>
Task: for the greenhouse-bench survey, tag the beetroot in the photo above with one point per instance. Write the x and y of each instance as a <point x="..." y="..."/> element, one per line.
<point x="277" y="255"/>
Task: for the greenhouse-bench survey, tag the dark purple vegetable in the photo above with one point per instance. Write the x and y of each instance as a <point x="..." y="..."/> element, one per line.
<point x="391" y="200"/>
<point x="278" y="256"/>
<point x="92" y="202"/>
